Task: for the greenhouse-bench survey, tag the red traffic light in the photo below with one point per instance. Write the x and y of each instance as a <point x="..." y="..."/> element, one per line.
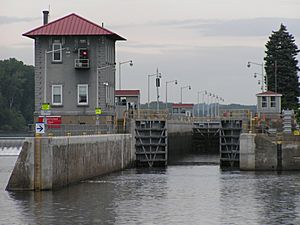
<point x="83" y="53"/>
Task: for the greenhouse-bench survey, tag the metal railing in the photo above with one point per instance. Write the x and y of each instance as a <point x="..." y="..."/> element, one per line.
<point x="82" y="63"/>
<point x="75" y="129"/>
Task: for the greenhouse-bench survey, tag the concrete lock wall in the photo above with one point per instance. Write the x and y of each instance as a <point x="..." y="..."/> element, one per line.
<point x="261" y="152"/>
<point x="247" y="151"/>
<point x="179" y="139"/>
<point x="66" y="160"/>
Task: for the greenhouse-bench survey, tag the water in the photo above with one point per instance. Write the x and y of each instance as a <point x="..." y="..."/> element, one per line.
<point x="176" y="195"/>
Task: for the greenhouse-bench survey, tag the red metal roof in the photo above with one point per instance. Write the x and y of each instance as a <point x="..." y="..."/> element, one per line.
<point x="71" y="25"/>
<point x="127" y="92"/>
<point x="179" y="105"/>
<point x="268" y="93"/>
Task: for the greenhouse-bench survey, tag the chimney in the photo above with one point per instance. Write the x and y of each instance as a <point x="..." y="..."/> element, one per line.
<point x="46" y="15"/>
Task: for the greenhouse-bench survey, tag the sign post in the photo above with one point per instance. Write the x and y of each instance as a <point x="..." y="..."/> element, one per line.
<point x="98" y="111"/>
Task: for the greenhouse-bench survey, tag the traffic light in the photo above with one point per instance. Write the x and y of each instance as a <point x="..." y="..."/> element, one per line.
<point x="157" y="82"/>
<point x="83" y="54"/>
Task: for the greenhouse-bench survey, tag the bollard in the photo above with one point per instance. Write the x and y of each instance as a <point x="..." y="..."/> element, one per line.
<point x="279" y="155"/>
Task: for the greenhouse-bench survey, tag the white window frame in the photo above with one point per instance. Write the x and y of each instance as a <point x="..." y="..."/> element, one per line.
<point x="264" y="102"/>
<point x="87" y="94"/>
<point x="53" y="52"/>
<point x="273" y="103"/>
<point x="61" y="96"/>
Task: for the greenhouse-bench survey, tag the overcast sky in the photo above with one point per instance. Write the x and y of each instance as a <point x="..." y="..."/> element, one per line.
<point x="202" y="43"/>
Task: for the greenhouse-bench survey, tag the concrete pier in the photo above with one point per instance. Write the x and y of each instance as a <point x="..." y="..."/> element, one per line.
<point x="179" y="139"/>
<point x="263" y="152"/>
<point x="52" y="162"/>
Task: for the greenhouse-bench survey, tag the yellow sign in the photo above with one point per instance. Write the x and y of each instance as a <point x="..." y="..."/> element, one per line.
<point x="98" y="111"/>
<point x="45" y="106"/>
<point x="296" y="132"/>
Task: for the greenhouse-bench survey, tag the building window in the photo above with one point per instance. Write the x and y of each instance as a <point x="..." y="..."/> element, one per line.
<point x="56" y="94"/>
<point x="264" y="102"/>
<point x="82" y="97"/>
<point x="273" y="102"/>
<point x="56" y="52"/>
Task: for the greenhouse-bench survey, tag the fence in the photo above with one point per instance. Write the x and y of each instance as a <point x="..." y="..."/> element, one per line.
<point x="75" y="129"/>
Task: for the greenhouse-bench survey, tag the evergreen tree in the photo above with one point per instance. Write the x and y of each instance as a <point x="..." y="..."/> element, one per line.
<point x="282" y="68"/>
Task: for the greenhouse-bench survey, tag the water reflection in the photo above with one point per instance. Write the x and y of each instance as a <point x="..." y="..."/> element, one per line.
<point x="176" y="195"/>
<point x="278" y="197"/>
<point x="260" y="198"/>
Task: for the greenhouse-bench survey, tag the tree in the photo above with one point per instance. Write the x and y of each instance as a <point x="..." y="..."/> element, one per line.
<point x="16" y="95"/>
<point x="282" y="68"/>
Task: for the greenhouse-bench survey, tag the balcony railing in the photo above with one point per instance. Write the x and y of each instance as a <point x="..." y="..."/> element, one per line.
<point x="82" y="63"/>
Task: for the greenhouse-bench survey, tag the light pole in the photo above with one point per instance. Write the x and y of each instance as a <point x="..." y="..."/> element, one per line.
<point x="198" y="97"/>
<point x="222" y="100"/>
<point x="212" y="105"/>
<point x="45" y="81"/>
<point x="262" y="74"/>
<point x="97" y="82"/>
<point x="181" y="88"/>
<point x="208" y="104"/>
<point x="216" y="104"/>
<point x="167" y="82"/>
<point x="148" y="84"/>
<point x="97" y="90"/>
<point x="120" y="63"/>
<point x="259" y="82"/>
<point x="106" y="84"/>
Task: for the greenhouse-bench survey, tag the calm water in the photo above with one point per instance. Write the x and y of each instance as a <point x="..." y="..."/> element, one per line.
<point x="177" y="195"/>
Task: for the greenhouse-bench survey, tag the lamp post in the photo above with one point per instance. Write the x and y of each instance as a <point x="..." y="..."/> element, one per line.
<point x="148" y="84"/>
<point x="120" y="63"/>
<point x="216" y="104"/>
<point x="262" y="74"/>
<point x="212" y="104"/>
<point x="97" y="82"/>
<point x="97" y="90"/>
<point x="45" y="71"/>
<point x="167" y="82"/>
<point x="222" y="100"/>
<point x="181" y="88"/>
<point x="198" y="97"/>
<point x="106" y="84"/>
<point x="208" y="104"/>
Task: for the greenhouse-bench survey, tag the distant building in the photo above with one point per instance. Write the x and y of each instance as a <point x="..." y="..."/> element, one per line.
<point x="268" y="103"/>
<point x="74" y="68"/>
<point x="182" y="109"/>
<point x="127" y="100"/>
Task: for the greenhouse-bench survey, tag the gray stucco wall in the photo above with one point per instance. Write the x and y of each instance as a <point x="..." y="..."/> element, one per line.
<point x="66" y="160"/>
<point x="64" y="73"/>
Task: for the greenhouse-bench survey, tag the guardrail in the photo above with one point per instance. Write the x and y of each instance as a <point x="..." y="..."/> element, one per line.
<point x="75" y="129"/>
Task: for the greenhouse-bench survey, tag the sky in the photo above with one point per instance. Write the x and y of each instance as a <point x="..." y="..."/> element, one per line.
<point x="202" y="43"/>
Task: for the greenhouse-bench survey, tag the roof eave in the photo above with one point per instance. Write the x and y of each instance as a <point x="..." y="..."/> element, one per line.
<point x="114" y="36"/>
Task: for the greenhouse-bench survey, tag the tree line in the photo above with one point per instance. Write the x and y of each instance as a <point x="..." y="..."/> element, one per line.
<point x="16" y="95"/>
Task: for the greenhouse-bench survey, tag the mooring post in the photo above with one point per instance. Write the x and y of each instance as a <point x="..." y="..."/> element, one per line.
<point x="279" y="155"/>
<point x="37" y="162"/>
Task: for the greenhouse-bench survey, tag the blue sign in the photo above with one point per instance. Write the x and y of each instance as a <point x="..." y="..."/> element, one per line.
<point x="39" y="128"/>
